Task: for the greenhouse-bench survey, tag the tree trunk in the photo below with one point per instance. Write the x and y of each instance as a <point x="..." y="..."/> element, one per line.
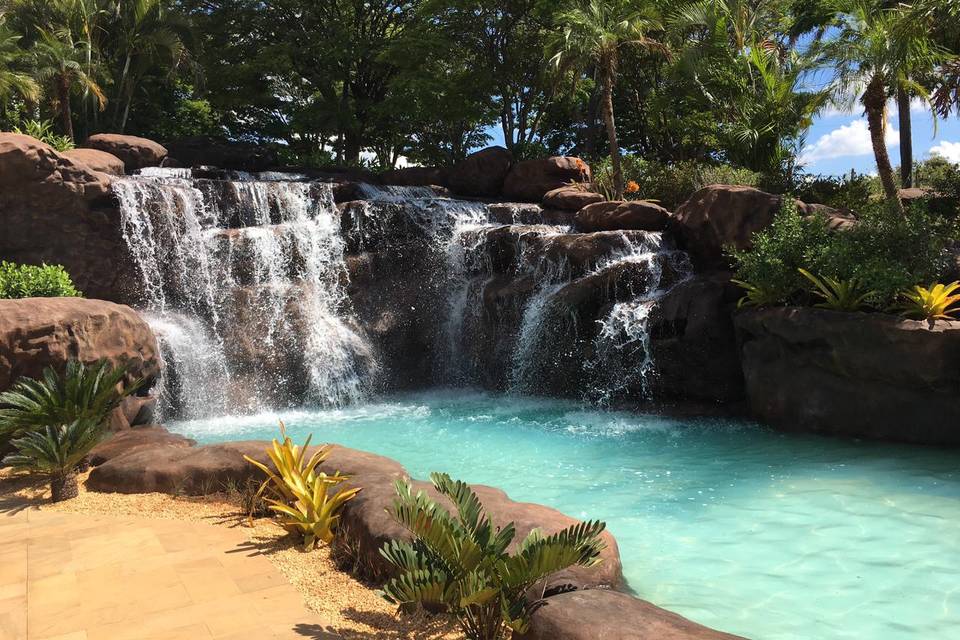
<point x="612" y="136"/>
<point x="906" y="139"/>
<point x="875" y="104"/>
<point x="64" y="487"/>
<point x="66" y="117"/>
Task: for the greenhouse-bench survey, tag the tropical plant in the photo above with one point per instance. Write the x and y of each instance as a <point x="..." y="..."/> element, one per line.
<point x="15" y="77"/>
<point x="460" y="564"/>
<point x="43" y="131"/>
<point x="757" y="295"/>
<point x="838" y="294"/>
<point x="594" y="34"/>
<point x="31" y="281"/>
<point x="936" y="302"/>
<point x="55" y="451"/>
<point x="301" y="494"/>
<point x="62" y="64"/>
<point x="878" y="50"/>
<point x="82" y="393"/>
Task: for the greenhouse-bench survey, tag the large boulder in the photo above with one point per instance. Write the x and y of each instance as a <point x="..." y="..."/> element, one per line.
<point x="638" y="215"/>
<point x="56" y="210"/>
<point x="96" y="160"/>
<point x="39" y="332"/>
<point x="694" y="343"/>
<point x="721" y="216"/>
<point x="530" y="180"/>
<point x="123" y="442"/>
<point x="570" y="198"/>
<point x="136" y="153"/>
<point x="482" y="173"/>
<point x="854" y="374"/>
<point x="608" y="615"/>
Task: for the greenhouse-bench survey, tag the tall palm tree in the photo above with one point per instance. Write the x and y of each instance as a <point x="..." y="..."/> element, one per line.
<point x="15" y="77"/>
<point x="144" y="34"/>
<point x="878" y="50"/>
<point x="61" y="65"/>
<point x="594" y="33"/>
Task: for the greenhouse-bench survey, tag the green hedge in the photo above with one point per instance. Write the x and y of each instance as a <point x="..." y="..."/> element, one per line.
<point x="30" y="281"/>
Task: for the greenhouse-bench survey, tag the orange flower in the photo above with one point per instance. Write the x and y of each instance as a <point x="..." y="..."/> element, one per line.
<point x="581" y="165"/>
<point x="632" y="187"/>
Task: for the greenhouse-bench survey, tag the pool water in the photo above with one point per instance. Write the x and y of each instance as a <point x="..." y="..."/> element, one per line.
<point x="737" y="527"/>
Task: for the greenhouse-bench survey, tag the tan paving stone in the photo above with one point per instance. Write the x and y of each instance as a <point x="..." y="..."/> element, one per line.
<point x="84" y="577"/>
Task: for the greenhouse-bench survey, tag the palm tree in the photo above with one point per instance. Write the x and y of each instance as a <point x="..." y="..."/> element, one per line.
<point x="61" y="63"/>
<point x="879" y="51"/>
<point x="594" y="33"/>
<point x="15" y="78"/>
<point x="144" y="33"/>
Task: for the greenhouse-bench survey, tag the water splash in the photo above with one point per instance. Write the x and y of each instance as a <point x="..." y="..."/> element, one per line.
<point x="260" y="265"/>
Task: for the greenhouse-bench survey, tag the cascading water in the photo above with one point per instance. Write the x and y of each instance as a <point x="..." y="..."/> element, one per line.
<point x="244" y="282"/>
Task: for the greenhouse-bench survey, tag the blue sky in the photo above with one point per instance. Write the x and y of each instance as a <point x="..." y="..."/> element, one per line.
<point x="839" y="141"/>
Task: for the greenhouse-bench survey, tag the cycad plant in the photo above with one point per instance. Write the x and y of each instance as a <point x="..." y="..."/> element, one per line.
<point x="55" y="451"/>
<point x="460" y="564"/>
<point x="82" y="393"/>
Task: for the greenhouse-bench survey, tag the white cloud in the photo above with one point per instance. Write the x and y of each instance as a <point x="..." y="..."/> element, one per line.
<point x="848" y="140"/>
<point x="947" y="150"/>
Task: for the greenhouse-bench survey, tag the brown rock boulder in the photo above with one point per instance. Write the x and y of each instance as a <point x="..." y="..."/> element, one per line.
<point x="40" y="332"/>
<point x="481" y="173"/>
<point x="530" y="180"/>
<point x="59" y="211"/>
<point x="638" y="215"/>
<point x="719" y="216"/>
<point x="855" y="374"/>
<point x="415" y="177"/>
<point x="569" y="198"/>
<point x="596" y="614"/>
<point x="96" y="160"/>
<point x="136" y="153"/>
<point x="123" y="442"/>
<point x="837" y="220"/>
<point x="28" y="166"/>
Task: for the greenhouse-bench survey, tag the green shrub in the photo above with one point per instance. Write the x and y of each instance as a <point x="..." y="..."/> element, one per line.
<point x="43" y="131"/>
<point x="943" y="177"/>
<point x="31" y="281"/>
<point x="669" y="184"/>
<point x="847" y="193"/>
<point x="459" y="563"/>
<point x="886" y="251"/>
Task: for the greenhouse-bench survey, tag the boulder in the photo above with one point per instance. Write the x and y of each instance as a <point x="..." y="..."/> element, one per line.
<point x="40" y="332"/>
<point x="638" y="215"/>
<point x="852" y="374"/>
<point x="694" y="343"/>
<point x="482" y="173"/>
<point x="56" y="210"/>
<point x="96" y="160"/>
<point x="721" y="216"/>
<point x="415" y="177"/>
<point x="596" y="614"/>
<point x="515" y="213"/>
<point x="123" y="442"/>
<point x="135" y="153"/>
<point x="836" y="219"/>
<point x="530" y="180"/>
<point x="569" y="198"/>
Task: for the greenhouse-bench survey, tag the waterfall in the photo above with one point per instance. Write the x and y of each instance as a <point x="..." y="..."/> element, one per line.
<point x="244" y="280"/>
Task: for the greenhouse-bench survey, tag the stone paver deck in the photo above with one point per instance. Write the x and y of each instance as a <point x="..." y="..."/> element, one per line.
<point x="85" y="577"/>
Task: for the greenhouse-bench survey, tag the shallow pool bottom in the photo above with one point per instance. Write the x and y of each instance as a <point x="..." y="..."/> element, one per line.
<point x="762" y="534"/>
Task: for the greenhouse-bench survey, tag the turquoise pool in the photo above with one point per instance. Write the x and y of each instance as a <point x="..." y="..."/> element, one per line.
<point x="767" y="535"/>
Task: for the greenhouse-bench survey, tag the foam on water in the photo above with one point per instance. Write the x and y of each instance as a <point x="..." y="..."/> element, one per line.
<point x="772" y="536"/>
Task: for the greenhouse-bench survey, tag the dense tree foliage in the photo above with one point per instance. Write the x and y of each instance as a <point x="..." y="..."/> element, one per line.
<point x="351" y="81"/>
